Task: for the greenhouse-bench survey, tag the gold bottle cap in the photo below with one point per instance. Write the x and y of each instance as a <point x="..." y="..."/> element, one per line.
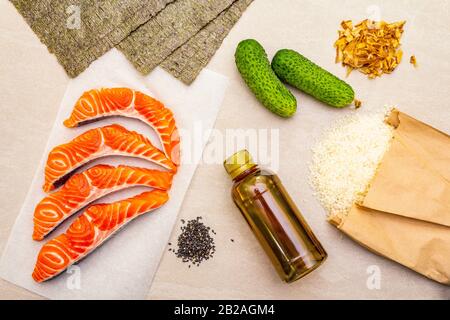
<point x="238" y="163"/>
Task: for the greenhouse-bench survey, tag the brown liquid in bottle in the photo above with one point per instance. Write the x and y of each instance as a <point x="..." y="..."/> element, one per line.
<point x="274" y="219"/>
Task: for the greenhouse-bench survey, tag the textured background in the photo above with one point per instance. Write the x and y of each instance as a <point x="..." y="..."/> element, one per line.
<point x="33" y="84"/>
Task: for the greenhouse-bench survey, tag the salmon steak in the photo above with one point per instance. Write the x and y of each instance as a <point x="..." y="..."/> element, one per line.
<point x="90" y="230"/>
<point x="112" y="140"/>
<point x="88" y="186"/>
<point x="96" y="104"/>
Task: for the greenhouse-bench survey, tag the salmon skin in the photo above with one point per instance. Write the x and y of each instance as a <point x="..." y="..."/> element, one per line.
<point x="96" y="104"/>
<point x="90" y="230"/>
<point x="96" y="143"/>
<point x="88" y="186"/>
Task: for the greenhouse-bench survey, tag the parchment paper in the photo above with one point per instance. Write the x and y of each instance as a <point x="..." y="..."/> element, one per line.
<point x="122" y="268"/>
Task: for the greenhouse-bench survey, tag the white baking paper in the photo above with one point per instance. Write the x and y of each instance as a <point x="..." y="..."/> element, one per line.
<point x="123" y="267"/>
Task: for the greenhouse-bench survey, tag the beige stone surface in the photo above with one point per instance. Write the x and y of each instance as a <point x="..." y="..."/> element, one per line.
<point x="33" y="84"/>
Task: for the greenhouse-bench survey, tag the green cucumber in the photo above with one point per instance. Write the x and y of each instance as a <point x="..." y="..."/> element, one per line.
<point x="254" y="67"/>
<point x="296" y="70"/>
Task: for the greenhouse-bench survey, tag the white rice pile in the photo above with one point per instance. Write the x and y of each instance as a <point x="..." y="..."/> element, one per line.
<point x="345" y="160"/>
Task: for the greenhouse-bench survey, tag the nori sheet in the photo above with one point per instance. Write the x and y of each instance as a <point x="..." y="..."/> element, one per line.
<point x="187" y="61"/>
<point x="181" y="35"/>
<point x="154" y="41"/>
<point x="104" y="23"/>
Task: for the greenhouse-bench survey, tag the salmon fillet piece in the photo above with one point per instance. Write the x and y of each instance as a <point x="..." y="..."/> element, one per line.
<point x="90" y="230"/>
<point x="96" y="104"/>
<point x="96" y="143"/>
<point x="88" y="186"/>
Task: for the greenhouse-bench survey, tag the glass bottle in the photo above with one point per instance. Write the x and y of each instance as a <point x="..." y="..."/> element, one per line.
<point x="274" y="218"/>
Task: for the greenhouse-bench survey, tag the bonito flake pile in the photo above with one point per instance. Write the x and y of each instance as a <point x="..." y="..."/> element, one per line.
<point x="371" y="47"/>
<point x="346" y="159"/>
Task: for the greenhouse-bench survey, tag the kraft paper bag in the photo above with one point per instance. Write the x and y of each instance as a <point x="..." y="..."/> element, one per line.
<point x="427" y="142"/>
<point x="405" y="214"/>
<point x="413" y="177"/>
<point x="421" y="246"/>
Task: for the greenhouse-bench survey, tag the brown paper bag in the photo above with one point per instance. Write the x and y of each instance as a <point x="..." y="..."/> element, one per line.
<point x="405" y="215"/>
<point x="413" y="177"/>
<point x="422" y="246"/>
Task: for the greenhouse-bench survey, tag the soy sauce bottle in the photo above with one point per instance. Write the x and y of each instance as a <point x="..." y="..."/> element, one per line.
<point x="274" y="218"/>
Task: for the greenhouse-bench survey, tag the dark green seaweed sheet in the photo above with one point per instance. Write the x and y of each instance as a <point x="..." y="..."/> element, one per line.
<point x="187" y="61"/>
<point x="154" y="41"/>
<point x="181" y="35"/>
<point x="104" y="23"/>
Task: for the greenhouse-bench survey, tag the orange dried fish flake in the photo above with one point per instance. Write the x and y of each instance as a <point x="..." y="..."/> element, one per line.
<point x="413" y="61"/>
<point x="372" y="47"/>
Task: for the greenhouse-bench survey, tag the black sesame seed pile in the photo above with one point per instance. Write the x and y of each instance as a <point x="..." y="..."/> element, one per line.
<point x="195" y="243"/>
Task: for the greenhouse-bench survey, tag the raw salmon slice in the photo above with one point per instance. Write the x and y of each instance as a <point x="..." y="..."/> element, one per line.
<point x="96" y="143"/>
<point x="99" y="103"/>
<point x="90" y="230"/>
<point x="88" y="186"/>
